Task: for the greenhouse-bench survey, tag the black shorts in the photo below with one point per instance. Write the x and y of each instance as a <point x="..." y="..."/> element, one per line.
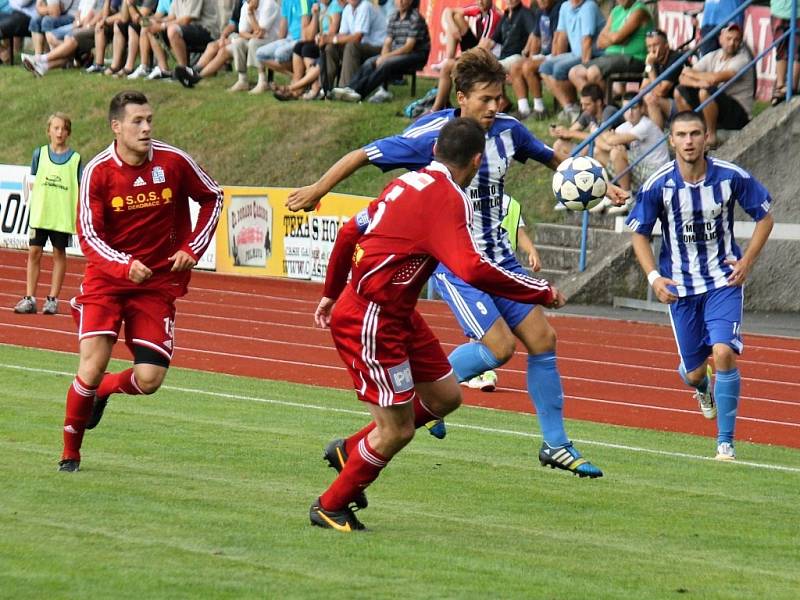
<point x="732" y="115"/>
<point x="196" y="37"/>
<point x="59" y="239"/>
<point x="468" y="40"/>
<point x="306" y="50"/>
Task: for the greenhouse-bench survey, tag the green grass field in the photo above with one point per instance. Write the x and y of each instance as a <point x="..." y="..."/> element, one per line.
<point x="202" y="491"/>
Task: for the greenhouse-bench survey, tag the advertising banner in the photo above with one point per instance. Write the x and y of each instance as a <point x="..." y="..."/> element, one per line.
<point x="294" y="245"/>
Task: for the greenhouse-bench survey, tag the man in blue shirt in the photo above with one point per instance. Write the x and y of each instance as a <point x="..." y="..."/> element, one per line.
<point x="494" y="323"/>
<point x="701" y="270"/>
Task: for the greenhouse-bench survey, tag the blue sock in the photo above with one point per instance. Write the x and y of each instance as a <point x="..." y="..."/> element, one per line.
<point x="703" y="387"/>
<point x="544" y="388"/>
<point x="726" y="395"/>
<point x="470" y="360"/>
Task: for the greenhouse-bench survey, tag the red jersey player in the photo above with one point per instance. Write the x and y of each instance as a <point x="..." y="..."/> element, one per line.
<point x="135" y="230"/>
<point x="397" y="365"/>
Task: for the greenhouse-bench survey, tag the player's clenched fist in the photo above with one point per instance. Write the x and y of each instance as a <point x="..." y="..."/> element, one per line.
<point x="558" y="301"/>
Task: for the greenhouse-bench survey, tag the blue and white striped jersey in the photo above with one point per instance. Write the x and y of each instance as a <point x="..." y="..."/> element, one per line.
<point x="506" y="139"/>
<point x="697" y="221"/>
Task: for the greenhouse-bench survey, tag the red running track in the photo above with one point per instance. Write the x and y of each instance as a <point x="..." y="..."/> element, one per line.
<point x="614" y="371"/>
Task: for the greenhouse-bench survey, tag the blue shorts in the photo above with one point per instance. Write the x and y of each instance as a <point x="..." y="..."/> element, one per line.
<point x="558" y="66"/>
<point x="702" y="320"/>
<point x="475" y="310"/>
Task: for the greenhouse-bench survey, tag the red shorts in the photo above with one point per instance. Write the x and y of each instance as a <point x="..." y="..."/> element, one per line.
<point x="149" y="318"/>
<point x="385" y="355"/>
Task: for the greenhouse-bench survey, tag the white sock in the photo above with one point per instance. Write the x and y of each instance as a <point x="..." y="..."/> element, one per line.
<point x="523" y="105"/>
<point x="538" y="104"/>
<point x="262" y="77"/>
<point x="242" y="77"/>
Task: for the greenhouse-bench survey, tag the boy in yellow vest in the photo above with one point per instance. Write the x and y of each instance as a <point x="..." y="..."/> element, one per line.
<point x="53" y="206"/>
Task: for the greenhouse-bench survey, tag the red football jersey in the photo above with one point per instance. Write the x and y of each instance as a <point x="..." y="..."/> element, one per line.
<point x="421" y="218"/>
<point x="142" y="212"/>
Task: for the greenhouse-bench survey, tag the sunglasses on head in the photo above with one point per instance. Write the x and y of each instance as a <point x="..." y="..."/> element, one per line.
<point x="656" y="33"/>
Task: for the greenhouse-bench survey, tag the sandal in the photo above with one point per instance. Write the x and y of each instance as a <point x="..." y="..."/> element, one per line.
<point x="284" y="94"/>
<point x="778" y="96"/>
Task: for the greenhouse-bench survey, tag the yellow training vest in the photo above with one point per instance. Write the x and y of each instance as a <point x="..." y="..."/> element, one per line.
<point x="54" y="199"/>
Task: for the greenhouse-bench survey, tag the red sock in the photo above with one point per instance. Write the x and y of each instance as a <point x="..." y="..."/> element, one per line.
<point x="80" y="398"/>
<point x="362" y="468"/>
<point x="119" y="383"/>
<point x="422" y="415"/>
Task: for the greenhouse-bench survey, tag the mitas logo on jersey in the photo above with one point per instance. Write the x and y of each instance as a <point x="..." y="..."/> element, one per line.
<point x="158" y="175"/>
<point x="139" y="182"/>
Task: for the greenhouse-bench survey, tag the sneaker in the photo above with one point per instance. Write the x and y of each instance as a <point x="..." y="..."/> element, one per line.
<point x="345" y="94"/>
<point x="725" y="452"/>
<point x="139" y="72"/>
<point x="26" y="306"/>
<point x="382" y="95"/>
<point x="706" y="400"/>
<point x="539" y="115"/>
<point x="98" y="408"/>
<point x="157" y="73"/>
<point x="69" y="465"/>
<point x="336" y="456"/>
<point x="567" y="458"/>
<point x="239" y="86"/>
<point x="437" y="428"/>
<point x="95" y="69"/>
<point x="620" y="210"/>
<point x="31" y="64"/>
<point x="485" y="382"/>
<point x="341" y="520"/>
<point x="519" y="115"/>
<point x="186" y="76"/>
<point x="50" y="306"/>
<point x="261" y="87"/>
<point x="559" y="207"/>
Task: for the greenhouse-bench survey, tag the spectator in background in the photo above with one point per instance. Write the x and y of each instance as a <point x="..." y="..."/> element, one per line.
<point x="78" y="42"/>
<point x="361" y="35"/>
<point x="623" y="42"/>
<point x="594" y="112"/>
<point x="580" y="21"/>
<point x="6" y="46"/>
<point x="53" y="210"/>
<point x="732" y="108"/>
<point x="714" y="13"/>
<point x="15" y="23"/>
<point x="50" y="14"/>
<point x="659" y="103"/>
<point x="104" y="29"/>
<point x="153" y="41"/>
<point x="781" y="11"/>
<point x="625" y="145"/>
<point x="244" y="26"/>
<point x="258" y="27"/>
<point x="513" y="33"/>
<point x="140" y="13"/>
<point x="465" y="28"/>
<point x="129" y="15"/>
<point x="195" y="26"/>
<point x="306" y="56"/>
<point x="277" y="55"/>
<point x="525" y="73"/>
<point x="406" y="48"/>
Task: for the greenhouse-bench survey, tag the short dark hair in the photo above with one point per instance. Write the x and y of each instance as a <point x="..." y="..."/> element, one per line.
<point x="459" y="141"/>
<point x="687" y="116"/>
<point x="593" y="91"/>
<point x="118" y="103"/>
<point x="476" y="66"/>
<point x="628" y="96"/>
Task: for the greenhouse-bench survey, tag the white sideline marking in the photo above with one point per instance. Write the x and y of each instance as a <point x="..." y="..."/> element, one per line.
<point x="491" y="430"/>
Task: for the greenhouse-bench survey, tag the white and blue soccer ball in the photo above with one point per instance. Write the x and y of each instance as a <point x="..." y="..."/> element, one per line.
<point x="580" y="183"/>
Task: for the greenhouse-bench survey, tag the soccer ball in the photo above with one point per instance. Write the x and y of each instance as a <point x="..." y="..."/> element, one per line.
<point x="580" y="183"/>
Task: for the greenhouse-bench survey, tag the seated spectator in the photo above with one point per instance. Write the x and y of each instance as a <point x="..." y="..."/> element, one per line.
<point x="260" y="27"/>
<point x="195" y="26"/>
<point x="525" y="73"/>
<point x="716" y="12"/>
<point x="139" y="14"/>
<point x="50" y="15"/>
<point x="623" y="41"/>
<point x="625" y="145"/>
<point x="306" y="68"/>
<point x="781" y="11"/>
<point x="405" y="49"/>
<point x="247" y="22"/>
<point x="361" y="35"/>
<point x="468" y="27"/>
<point x="6" y="46"/>
<point x="580" y="22"/>
<point x="15" y="24"/>
<point x="78" y="42"/>
<point x="594" y="112"/>
<point x="153" y="43"/>
<point x="732" y="108"/>
<point x="277" y="55"/>
<point x="659" y="103"/>
<point x="111" y="13"/>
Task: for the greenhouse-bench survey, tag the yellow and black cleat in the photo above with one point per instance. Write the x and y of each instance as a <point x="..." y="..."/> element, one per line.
<point x="343" y="520"/>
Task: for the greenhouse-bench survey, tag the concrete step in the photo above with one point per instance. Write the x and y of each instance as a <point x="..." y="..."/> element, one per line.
<point x="558" y="257"/>
<point x="596" y="222"/>
<point x="553" y="234"/>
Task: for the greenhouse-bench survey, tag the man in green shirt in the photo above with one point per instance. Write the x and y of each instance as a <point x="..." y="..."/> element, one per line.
<point x="53" y="204"/>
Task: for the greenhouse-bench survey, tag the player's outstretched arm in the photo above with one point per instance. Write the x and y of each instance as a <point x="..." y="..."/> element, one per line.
<point x="306" y="198"/>
<point x="644" y="254"/>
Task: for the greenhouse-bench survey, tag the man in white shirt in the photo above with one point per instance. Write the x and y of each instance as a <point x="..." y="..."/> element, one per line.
<point x="361" y="34"/>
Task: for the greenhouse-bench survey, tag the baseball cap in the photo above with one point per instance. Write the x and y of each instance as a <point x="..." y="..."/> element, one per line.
<point x="732" y="26"/>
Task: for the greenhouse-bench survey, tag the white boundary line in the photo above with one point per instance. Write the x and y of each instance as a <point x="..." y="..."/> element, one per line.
<point x="488" y="430"/>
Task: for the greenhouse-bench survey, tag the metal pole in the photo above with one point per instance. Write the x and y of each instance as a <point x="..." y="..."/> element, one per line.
<point x="792" y="45"/>
<point x="585" y="228"/>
